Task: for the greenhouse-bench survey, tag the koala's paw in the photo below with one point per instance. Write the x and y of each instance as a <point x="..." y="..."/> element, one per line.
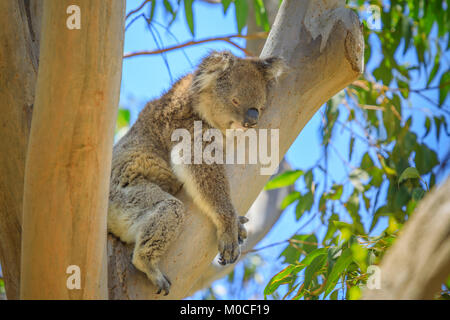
<point x="229" y="242"/>
<point x="242" y="232"/>
<point x="153" y="273"/>
<point x="229" y="249"/>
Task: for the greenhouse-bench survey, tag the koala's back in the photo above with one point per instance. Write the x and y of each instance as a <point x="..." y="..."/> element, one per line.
<point x="143" y="154"/>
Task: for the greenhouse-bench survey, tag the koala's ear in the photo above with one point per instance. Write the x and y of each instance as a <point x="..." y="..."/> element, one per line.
<point x="211" y="68"/>
<point x="272" y="67"/>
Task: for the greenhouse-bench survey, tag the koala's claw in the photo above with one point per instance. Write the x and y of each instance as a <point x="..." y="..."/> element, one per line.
<point x="224" y="261"/>
<point x="243" y="219"/>
<point x="229" y="250"/>
<point x="242" y="233"/>
<point x="153" y="273"/>
<point x="163" y="283"/>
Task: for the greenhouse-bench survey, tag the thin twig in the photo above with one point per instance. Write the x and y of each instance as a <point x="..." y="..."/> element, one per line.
<point x="383" y="89"/>
<point x="138" y="8"/>
<point x="259" y="35"/>
<point x="164" y="57"/>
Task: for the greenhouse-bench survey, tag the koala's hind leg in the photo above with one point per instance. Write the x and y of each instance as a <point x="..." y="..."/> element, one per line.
<point x="153" y="223"/>
<point x="158" y="227"/>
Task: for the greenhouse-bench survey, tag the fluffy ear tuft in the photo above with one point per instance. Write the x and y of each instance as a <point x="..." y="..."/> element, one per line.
<point x="211" y="68"/>
<point x="272" y="67"/>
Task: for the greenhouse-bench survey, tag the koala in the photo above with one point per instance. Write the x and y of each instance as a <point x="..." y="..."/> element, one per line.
<point x="225" y="92"/>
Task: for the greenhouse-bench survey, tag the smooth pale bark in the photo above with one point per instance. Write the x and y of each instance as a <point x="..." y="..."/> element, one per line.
<point x="419" y="261"/>
<point x="323" y="45"/>
<point x="69" y="151"/>
<point x="19" y="54"/>
<point x="263" y="214"/>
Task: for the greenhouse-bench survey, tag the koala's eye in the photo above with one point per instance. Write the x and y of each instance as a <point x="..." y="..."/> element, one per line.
<point x="235" y="102"/>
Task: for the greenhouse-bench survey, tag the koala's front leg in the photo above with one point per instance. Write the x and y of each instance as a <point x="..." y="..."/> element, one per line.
<point x="209" y="188"/>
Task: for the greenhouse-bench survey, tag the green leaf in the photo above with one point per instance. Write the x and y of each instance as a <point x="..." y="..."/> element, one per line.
<point x="407" y="33"/>
<point x="285" y="179"/>
<point x="313" y="267"/>
<point x="341" y="264"/>
<point x="366" y="162"/>
<point x="312" y="255"/>
<point x="334" y="295"/>
<point x="290" y="198"/>
<point x="241" y="7"/>
<point x="381" y="212"/>
<point x="444" y="86"/>
<point x="168" y="7"/>
<point x="435" y="69"/>
<point x="261" y="15"/>
<point x="352" y="144"/>
<point x="331" y="227"/>
<point x="425" y="159"/>
<point x="304" y="204"/>
<point x="352" y="206"/>
<point x="427" y="127"/>
<point x="226" y="5"/>
<point x="152" y="11"/>
<point x="336" y="193"/>
<point x="281" y="278"/>
<point x="342" y="225"/>
<point x="391" y="115"/>
<point x="308" y="178"/>
<point x="409" y="173"/>
<point x="301" y="243"/>
<point x="189" y="14"/>
<point x="123" y="119"/>
<point x="418" y="194"/>
<point x="291" y="254"/>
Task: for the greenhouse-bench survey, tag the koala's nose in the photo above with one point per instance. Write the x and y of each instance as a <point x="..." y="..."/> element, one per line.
<point x="251" y="118"/>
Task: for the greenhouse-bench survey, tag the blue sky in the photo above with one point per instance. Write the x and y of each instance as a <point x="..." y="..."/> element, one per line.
<point x="147" y="77"/>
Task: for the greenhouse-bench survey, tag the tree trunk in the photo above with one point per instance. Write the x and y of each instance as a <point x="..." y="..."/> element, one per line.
<point x="323" y="45"/>
<point x="19" y="55"/>
<point x="70" y="149"/>
<point x="419" y="261"/>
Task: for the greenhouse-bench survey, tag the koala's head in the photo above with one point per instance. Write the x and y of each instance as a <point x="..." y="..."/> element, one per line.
<point x="231" y="92"/>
